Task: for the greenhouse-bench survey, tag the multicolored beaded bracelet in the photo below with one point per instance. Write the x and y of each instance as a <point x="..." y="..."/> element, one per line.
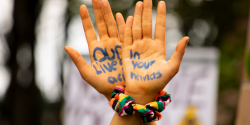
<point x="124" y="105"/>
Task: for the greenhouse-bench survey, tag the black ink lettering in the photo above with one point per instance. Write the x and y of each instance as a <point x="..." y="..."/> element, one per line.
<point x="104" y="52"/>
<point x="153" y="74"/>
<point x="131" y="54"/>
<point x="110" y="67"/>
<point x="152" y="62"/>
<point x="112" y="80"/>
<point x="113" y="57"/>
<point x="137" y="54"/>
<point x="134" y="64"/>
<point x="116" y="47"/>
<point x="119" y="77"/>
<point x="123" y="76"/>
<point x="146" y="77"/>
<point x="159" y="74"/>
<point x="97" y="71"/>
<point x="133" y="75"/>
<point x="102" y="69"/>
<point x="140" y="65"/>
<point x="146" y="65"/>
<point x="113" y="63"/>
<point x="120" y="62"/>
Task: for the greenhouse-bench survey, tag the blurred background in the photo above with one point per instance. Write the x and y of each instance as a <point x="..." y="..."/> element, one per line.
<point x="34" y="68"/>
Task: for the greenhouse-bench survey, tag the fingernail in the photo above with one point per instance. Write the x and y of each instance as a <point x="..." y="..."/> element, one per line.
<point x="187" y="40"/>
<point x="139" y="4"/>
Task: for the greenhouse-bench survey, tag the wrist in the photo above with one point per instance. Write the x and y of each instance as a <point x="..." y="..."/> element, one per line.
<point x="141" y="98"/>
<point x="108" y="96"/>
<point x="137" y="102"/>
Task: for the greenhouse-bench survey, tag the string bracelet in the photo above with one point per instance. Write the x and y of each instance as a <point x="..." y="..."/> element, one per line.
<point x="124" y="105"/>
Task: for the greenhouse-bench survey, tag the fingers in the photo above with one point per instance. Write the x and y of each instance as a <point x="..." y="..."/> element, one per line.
<point x="121" y="26"/>
<point x="99" y="18"/>
<point x="109" y="18"/>
<point x="160" y="26"/>
<point x="87" y="25"/>
<point x="179" y="53"/>
<point x="85" y="70"/>
<point x="128" y="32"/>
<point x="147" y="19"/>
<point x="137" y="31"/>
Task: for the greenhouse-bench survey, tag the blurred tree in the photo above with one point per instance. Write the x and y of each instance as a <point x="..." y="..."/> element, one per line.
<point x="22" y="104"/>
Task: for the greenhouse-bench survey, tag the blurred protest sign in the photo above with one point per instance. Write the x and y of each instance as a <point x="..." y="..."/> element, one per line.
<point x="193" y="91"/>
<point x="244" y="100"/>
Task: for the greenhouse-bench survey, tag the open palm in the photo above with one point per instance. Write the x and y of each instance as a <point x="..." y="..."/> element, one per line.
<point x="144" y="60"/>
<point x="105" y="71"/>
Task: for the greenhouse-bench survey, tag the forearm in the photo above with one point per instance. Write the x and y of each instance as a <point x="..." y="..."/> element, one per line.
<point x="151" y="123"/>
<point x="126" y="120"/>
<point x="129" y="120"/>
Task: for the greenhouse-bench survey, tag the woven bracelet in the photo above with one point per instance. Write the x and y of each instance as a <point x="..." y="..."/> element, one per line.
<point x="124" y="105"/>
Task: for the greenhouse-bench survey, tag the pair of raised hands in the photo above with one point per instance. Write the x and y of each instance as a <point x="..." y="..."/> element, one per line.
<point x="129" y="55"/>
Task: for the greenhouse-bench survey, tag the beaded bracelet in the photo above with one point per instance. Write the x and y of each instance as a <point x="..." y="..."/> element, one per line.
<point x="124" y="105"/>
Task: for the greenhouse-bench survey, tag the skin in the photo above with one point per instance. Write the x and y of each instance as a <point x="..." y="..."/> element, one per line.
<point x="138" y="38"/>
<point x="136" y="35"/>
<point x="109" y="38"/>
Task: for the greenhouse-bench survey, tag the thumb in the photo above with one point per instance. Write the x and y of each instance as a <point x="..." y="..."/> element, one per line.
<point x="84" y="68"/>
<point x="179" y="53"/>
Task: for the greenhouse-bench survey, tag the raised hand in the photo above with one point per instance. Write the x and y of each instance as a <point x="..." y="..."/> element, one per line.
<point x="144" y="60"/>
<point x="105" y="71"/>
